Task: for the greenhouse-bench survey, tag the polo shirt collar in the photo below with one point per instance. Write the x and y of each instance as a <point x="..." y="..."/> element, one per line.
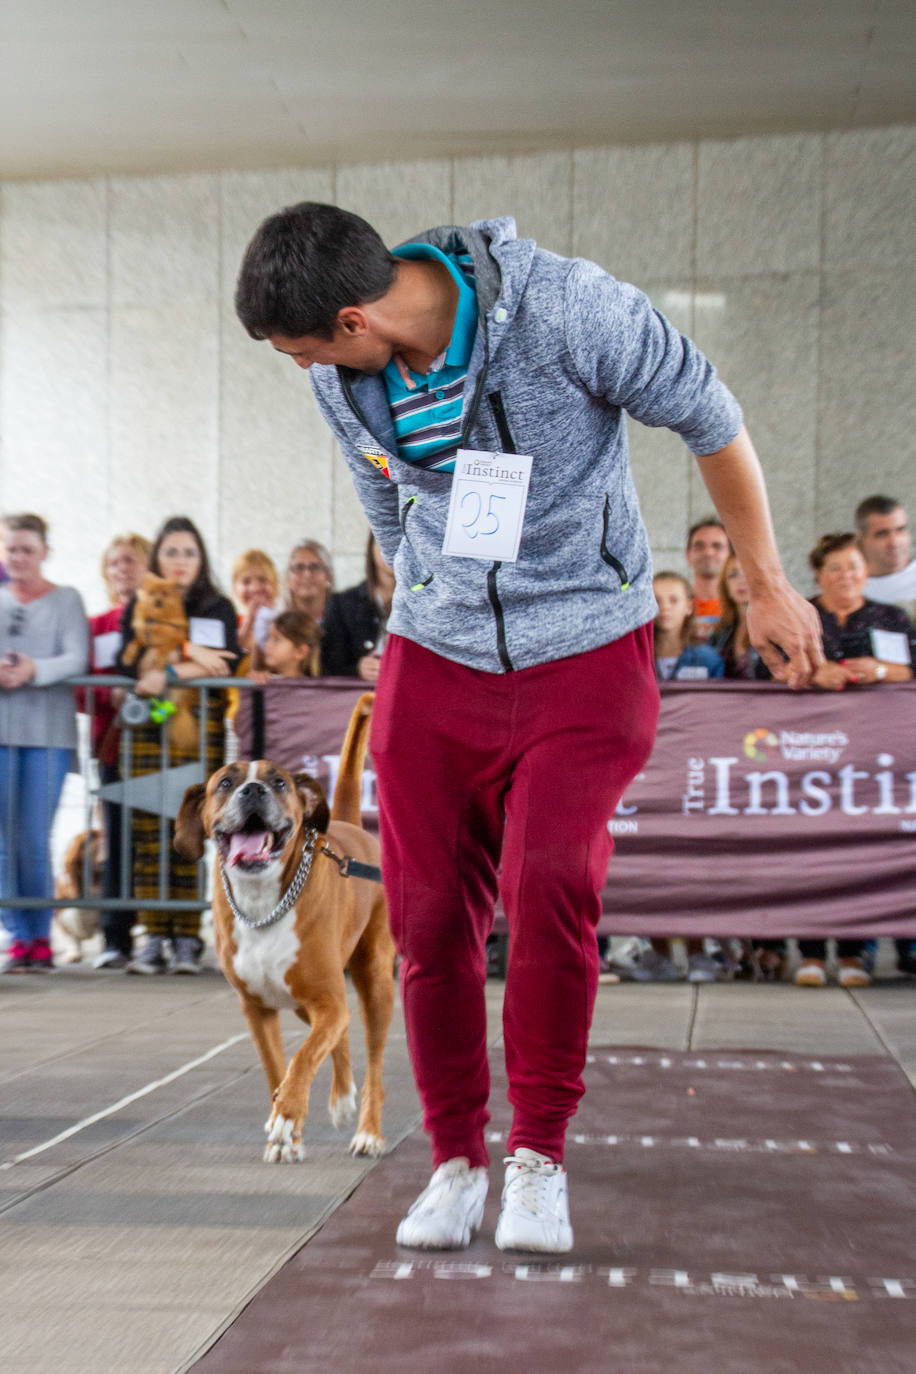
<point x="464" y="330"/>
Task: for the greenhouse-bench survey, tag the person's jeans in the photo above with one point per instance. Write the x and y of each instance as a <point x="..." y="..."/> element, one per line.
<point x="31" y="781"/>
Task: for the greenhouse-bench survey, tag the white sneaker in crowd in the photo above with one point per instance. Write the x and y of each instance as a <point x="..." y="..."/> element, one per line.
<point x="151" y="958"/>
<point x="703" y="968"/>
<point x="186" y="955"/>
<point x="535" y="1205"/>
<point x="651" y="967"/>
<point x="449" y="1210"/>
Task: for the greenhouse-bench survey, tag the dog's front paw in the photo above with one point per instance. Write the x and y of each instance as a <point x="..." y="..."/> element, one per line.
<point x="343" y="1110"/>
<point x="365" y="1143"/>
<point x="284" y="1141"/>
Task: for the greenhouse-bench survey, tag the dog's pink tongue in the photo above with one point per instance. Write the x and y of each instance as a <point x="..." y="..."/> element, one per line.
<point x="247" y="846"/>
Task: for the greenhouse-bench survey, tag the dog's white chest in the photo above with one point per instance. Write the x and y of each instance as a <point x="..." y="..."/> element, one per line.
<point x="263" y="957"/>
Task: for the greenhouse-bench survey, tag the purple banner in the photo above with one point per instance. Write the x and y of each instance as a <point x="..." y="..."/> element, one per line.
<point x="762" y="812"/>
<point x="765" y="812"/>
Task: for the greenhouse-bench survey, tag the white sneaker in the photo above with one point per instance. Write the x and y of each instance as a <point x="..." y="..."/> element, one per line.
<point x="651" y="967"/>
<point x="703" y="968"/>
<point x="151" y="958"/>
<point x="449" y="1210"/>
<point x="186" y="955"/>
<point x="535" y="1206"/>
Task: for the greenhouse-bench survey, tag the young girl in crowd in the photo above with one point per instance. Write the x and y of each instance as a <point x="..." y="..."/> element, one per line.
<point x="677" y="658"/>
<point x="44" y="638"/>
<point x="211" y="650"/>
<point x="291" y="647"/>
<point x="730" y="637"/>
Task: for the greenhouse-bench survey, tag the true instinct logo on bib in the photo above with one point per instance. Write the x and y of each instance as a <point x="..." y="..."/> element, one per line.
<point x="487" y="506"/>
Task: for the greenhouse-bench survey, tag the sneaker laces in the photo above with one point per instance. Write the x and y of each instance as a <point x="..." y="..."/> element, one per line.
<point x="529" y="1184"/>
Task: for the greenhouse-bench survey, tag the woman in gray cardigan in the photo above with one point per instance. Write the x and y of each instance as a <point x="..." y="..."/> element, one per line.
<point x="44" y="637"/>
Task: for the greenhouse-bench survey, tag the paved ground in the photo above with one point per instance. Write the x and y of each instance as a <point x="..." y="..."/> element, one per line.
<point x="136" y="1219"/>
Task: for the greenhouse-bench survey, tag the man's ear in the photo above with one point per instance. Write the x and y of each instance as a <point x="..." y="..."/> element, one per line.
<point x="351" y="320"/>
<point x="189" y="827"/>
<point x="315" y="810"/>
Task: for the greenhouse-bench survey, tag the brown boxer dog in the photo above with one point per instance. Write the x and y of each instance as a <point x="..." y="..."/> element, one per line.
<point x="287" y="924"/>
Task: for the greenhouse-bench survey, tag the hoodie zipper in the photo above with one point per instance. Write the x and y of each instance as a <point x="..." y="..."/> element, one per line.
<point x="508" y="443"/>
<point x="606" y="554"/>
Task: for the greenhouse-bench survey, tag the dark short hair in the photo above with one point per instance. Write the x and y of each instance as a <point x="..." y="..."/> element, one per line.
<point x="306" y="264"/>
<point x="828" y="544"/>
<point x="874" y="505"/>
<point x="701" y="525"/>
<point x="203" y="590"/>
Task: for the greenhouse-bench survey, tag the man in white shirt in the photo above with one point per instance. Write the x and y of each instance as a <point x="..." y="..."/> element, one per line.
<point x="885" y="541"/>
<point x="887" y="546"/>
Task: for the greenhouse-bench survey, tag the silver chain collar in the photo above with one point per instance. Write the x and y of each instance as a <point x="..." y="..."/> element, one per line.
<point x="288" y="898"/>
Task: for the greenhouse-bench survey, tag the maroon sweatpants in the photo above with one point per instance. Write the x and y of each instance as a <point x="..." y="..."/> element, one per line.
<point x="487" y="779"/>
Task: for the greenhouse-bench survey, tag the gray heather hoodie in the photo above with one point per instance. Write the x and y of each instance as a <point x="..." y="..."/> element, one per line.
<point x="562" y="351"/>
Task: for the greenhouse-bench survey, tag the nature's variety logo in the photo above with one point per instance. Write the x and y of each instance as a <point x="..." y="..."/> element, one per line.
<point x="760" y="744"/>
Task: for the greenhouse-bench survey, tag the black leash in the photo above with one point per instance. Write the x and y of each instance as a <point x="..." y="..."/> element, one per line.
<point x="349" y="867"/>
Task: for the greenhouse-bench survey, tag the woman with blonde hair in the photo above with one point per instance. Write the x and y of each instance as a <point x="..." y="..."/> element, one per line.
<point x="255" y="584"/>
<point x="125" y="563"/>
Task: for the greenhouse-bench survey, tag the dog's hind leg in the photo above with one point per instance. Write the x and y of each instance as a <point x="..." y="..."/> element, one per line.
<point x="329" y="1019"/>
<point x="372" y="972"/>
<point x="342" y="1102"/>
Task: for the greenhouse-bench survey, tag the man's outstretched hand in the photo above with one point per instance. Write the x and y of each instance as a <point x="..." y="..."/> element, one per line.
<point x="782" y="617"/>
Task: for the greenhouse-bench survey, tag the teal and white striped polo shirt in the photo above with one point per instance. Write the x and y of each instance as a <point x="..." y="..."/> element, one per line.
<point x="426" y="410"/>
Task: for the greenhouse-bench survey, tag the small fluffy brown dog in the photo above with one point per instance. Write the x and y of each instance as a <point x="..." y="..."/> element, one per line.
<point x="286" y="925"/>
<point x="160" y="628"/>
<point x="80" y="923"/>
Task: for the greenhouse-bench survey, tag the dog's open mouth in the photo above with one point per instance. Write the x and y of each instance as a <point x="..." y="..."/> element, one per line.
<point x="253" y="846"/>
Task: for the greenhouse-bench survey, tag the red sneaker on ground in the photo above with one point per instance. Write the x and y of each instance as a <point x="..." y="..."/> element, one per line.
<point x="18" y="958"/>
<point x="40" y="960"/>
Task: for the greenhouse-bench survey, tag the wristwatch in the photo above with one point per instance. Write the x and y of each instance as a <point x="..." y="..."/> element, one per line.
<point x="880" y="672"/>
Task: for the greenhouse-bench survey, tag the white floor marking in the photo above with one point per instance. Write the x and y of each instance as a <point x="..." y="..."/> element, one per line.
<point x="124" y="1102"/>
<point x="740" y="1284"/>
<point x="742" y="1065"/>
<point x="723" y="1144"/>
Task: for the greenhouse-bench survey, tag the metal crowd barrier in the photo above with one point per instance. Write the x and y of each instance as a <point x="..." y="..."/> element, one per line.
<point x="159" y="793"/>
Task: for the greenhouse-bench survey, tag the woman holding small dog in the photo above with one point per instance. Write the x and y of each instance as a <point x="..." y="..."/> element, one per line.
<point x="211" y="650"/>
<point x="44" y="638"/>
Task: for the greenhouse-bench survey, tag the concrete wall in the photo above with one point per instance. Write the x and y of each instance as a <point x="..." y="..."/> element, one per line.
<point x="129" y="392"/>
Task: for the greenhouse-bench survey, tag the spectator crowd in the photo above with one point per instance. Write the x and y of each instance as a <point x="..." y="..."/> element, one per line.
<point x="298" y="625"/>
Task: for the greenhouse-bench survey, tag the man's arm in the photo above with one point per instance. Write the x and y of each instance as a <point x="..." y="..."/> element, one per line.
<point x="777" y="614"/>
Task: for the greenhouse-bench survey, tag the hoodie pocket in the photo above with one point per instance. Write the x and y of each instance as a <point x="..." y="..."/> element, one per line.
<point x="422" y="579"/>
<point x="606" y="554"/>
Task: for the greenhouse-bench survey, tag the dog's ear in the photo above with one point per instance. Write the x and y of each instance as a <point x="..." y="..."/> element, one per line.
<point x="315" y="810"/>
<point x="189" y="827"/>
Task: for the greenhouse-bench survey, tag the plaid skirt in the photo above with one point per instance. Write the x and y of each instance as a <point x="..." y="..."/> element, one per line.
<point x="181" y="874"/>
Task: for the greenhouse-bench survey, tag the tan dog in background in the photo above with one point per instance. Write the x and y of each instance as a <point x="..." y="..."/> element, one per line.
<point x="260" y="817"/>
<point x="80" y="923"/>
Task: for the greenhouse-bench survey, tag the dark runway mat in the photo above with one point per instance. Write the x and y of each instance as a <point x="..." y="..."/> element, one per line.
<point x="733" y="1214"/>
